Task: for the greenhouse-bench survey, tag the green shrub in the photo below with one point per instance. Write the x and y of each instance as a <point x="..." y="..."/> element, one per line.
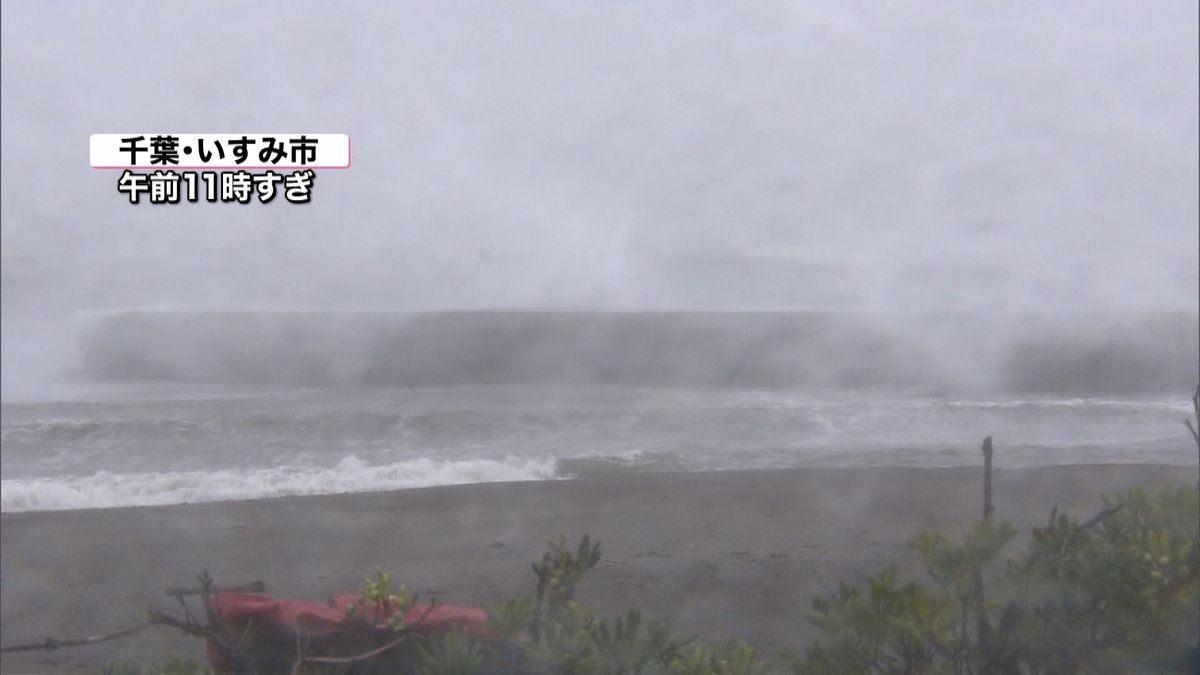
<point x="1117" y="594"/>
<point x="450" y="654"/>
<point x="725" y="658"/>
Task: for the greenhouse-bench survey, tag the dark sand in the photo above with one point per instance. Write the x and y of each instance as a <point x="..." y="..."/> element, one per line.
<point x="728" y="554"/>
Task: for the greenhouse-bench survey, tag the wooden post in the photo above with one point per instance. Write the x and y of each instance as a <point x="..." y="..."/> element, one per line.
<point x="1196" y="417"/>
<point x="982" y="626"/>
<point x="987" y="477"/>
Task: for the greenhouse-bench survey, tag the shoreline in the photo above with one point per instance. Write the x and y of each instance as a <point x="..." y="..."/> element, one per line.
<point x="582" y="469"/>
<point x="736" y="553"/>
<point x="593" y="474"/>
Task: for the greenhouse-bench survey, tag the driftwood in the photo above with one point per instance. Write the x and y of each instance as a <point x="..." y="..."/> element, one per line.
<point x="50" y="644"/>
<point x="154" y="618"/>
<point x="1099" y="517"/>
<point x="237" y="650"/>
<point x="252" y="587"/>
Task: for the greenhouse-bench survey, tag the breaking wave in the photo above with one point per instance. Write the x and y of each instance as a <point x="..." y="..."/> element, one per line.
<point x="104" y="489"/>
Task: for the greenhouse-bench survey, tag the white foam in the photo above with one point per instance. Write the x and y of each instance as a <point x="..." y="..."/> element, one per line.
<point x="104" y="489"/>
<point x="1174" y="404"/>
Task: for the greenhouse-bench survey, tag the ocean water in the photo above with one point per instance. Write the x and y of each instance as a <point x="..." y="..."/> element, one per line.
<point x="176" y="407"/>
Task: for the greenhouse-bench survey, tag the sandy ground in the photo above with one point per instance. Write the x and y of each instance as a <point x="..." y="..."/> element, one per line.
<point x="736" y="554"/>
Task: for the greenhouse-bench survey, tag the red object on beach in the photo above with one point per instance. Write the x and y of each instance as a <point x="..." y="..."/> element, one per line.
<point x="319" y="626"/>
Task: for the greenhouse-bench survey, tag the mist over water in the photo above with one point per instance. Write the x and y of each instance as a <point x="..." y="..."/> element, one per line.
<point x="1066" y="353"/>
<point x="737" y="236"/>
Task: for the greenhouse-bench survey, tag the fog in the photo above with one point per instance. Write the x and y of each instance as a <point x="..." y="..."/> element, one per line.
<point x="992" y="157"/>
<point x="734" y="287"/>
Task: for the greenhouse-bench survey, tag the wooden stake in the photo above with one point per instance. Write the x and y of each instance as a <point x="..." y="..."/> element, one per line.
<point x="987" y="477"/>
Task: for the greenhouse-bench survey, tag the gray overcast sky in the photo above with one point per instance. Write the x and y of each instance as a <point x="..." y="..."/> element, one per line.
<point x="881" y="155"/>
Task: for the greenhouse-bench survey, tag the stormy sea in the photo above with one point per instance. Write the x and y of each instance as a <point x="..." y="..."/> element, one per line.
<point x="165" y="407"/>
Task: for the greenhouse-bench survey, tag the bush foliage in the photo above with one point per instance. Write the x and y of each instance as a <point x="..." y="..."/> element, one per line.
<point x="1118" y="594"/>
